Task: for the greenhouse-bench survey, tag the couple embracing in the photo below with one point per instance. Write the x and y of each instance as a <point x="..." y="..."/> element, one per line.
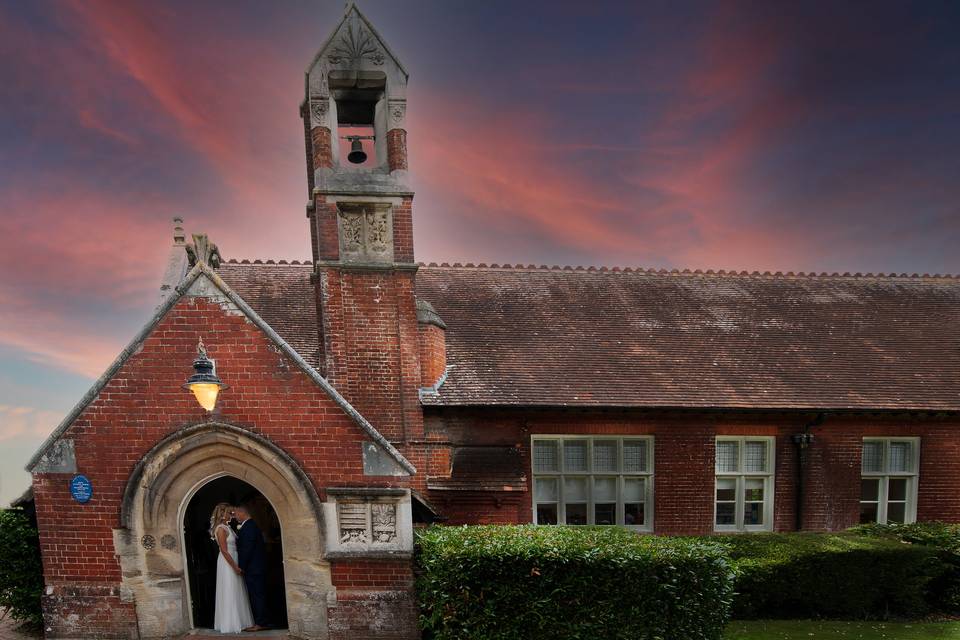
<point x="241" y="602"/>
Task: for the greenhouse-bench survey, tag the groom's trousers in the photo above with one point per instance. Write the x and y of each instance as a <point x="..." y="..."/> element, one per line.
<point x="257" y="591"/>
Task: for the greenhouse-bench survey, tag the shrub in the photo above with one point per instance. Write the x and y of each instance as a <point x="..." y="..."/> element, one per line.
<point x="944" y="592"/>
<point x="21" y="572"/>
<point x="931" y="534"/>
<point x="802" y="575"/>
<point x="521" y="582"/>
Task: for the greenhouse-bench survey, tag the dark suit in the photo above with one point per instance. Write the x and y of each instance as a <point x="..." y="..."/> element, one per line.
<point x="253" y="560"/>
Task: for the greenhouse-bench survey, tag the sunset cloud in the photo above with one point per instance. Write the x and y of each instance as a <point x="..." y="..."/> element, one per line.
<point x="18" y="422"/>
<point x="714" y="137"/>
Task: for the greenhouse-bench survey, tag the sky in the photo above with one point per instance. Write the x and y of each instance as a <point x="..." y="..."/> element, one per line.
<point x="792" y="136"/>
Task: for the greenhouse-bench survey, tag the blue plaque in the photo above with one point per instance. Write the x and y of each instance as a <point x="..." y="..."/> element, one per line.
<point x="81" y="489"/>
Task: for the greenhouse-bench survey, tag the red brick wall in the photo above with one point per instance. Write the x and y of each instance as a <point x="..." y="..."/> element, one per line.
<point x="142" y="404"/>
<point x="939" y="494"/>
<point x="397" y="149"/>
<point x="322" y="149"/>
<point x="433" y="353"/>
<point x="324" y="231"/>
<point x="372" y="347"/>
<point x="832" y="491"/>
<point x="87" y="610"/>
<point x="684" y="462"/>
<point x="371" y="575"/>
<point x="370" y="602"/>
<point x="683" y="478"/>
<point x="403" y="231"/>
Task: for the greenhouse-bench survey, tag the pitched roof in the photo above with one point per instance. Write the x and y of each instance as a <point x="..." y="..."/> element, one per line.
<point x="202" y="271"/>
<point x="635" y="338"/>
<point x="281" y="293"/>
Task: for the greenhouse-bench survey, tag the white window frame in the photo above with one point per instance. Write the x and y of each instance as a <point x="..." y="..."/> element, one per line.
<point x="885" y="475"/>
<point x="561" y="474"/>
<point x="741" y="477"/>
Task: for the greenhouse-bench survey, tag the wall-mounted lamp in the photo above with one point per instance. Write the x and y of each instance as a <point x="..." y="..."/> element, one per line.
<point x="204" y="383"/>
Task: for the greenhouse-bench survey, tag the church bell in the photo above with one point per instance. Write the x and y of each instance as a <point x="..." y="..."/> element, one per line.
<point x="357" y="155"/>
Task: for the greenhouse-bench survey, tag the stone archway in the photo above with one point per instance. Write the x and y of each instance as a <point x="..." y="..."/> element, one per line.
<point x="149" y="541"/>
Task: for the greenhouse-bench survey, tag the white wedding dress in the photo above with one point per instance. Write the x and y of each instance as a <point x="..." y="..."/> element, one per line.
<point x="232" y="613"/>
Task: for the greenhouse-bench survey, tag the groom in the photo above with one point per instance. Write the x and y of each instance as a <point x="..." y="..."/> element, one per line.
<point x="252" y="561"/>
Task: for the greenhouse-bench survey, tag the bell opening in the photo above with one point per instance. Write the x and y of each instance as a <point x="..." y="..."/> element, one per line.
<point x="359" y="153"/>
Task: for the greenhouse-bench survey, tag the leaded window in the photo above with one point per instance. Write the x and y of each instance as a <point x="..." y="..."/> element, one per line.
<point x="888" y="480"/>
<point x="743" y="499"/>
<point x="598" y="481"/>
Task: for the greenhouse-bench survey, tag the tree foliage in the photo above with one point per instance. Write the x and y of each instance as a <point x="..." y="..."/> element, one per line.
<point x="21" y="571"/>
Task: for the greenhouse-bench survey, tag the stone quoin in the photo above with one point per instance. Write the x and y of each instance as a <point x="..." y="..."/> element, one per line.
<point x="371" y="394"/>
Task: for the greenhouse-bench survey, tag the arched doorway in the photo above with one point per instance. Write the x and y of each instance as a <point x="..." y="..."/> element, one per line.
<point x="202" y="553"/>
<point x="149" y="539"/>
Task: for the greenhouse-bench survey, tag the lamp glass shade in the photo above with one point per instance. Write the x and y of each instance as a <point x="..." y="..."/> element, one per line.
<point x="205" y="393"/>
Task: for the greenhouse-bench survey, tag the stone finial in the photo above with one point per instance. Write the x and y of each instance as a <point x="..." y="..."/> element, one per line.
<point x="202" y="250"/>
<point x="179" y="237"/>
<point x="176" y="266"/>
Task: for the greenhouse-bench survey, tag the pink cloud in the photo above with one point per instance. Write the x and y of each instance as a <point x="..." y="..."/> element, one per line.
<point x="209" y="106"/>
<point x="30" y="422"/>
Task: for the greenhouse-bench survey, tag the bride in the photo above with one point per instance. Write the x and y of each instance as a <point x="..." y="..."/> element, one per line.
<point x="232" y="613"/>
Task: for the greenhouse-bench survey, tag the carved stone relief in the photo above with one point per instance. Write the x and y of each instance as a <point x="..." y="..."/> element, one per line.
<point x="319" y="108"/>
<point x="353" y="45"/>
<point x="383" y="519"/>
<point x="353" y="522"/>
<point x="378" y="231"/>
<point x="367" y="523"/>
<point x="398" y="113"/>
<point x="364" y="521"/>
<point x="202" y="250"/>
<point x="366" y="233"/>
<point x="59" y="458"/>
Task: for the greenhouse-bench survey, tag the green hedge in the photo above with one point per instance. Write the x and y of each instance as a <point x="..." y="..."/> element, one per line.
<point x="522" y="582"/>
<point x="21" y="572"/>
<point x="802" y="575"/>
<point x="944" y="592"/>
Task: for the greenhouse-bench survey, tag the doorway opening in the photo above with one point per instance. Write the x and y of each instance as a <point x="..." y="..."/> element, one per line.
<point x="202" y="552"/>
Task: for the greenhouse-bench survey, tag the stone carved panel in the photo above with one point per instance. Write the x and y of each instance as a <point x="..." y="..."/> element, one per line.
<point x="351" y="232"/>
<point x="369" y="524"/>
<point x="354" y="45"/>
<point x="398" y="112"/>
<point x="353" y="523"/>
<point x="368" y="521"/>
<point x="383" y="518"/>
<point x="366" y="233"/>
<point x="59" y="458"/>
<point x="319" y="110"/>
<point x="378" y="231"/>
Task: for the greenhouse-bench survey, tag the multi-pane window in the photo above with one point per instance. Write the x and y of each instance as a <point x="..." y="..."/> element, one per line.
<point x="888" y="480"/>
<point x="604" y="480"/>
<point x="744" y="484"/>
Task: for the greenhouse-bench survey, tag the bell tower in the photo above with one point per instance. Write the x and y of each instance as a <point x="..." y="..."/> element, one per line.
<point x="361" y="224"/>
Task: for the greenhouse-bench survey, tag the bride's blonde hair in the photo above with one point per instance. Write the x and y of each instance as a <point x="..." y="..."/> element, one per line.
<point x="216" y="518"/>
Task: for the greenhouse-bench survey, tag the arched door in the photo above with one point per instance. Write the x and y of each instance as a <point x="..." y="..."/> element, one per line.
<point x="201" y="552"/>
<point x="159" y="494"/>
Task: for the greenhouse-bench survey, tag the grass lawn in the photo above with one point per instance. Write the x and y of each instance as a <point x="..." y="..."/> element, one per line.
<point x="829" y="630"/>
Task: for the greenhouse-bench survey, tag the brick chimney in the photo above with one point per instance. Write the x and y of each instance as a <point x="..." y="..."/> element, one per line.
<point x="432" y="333"/>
